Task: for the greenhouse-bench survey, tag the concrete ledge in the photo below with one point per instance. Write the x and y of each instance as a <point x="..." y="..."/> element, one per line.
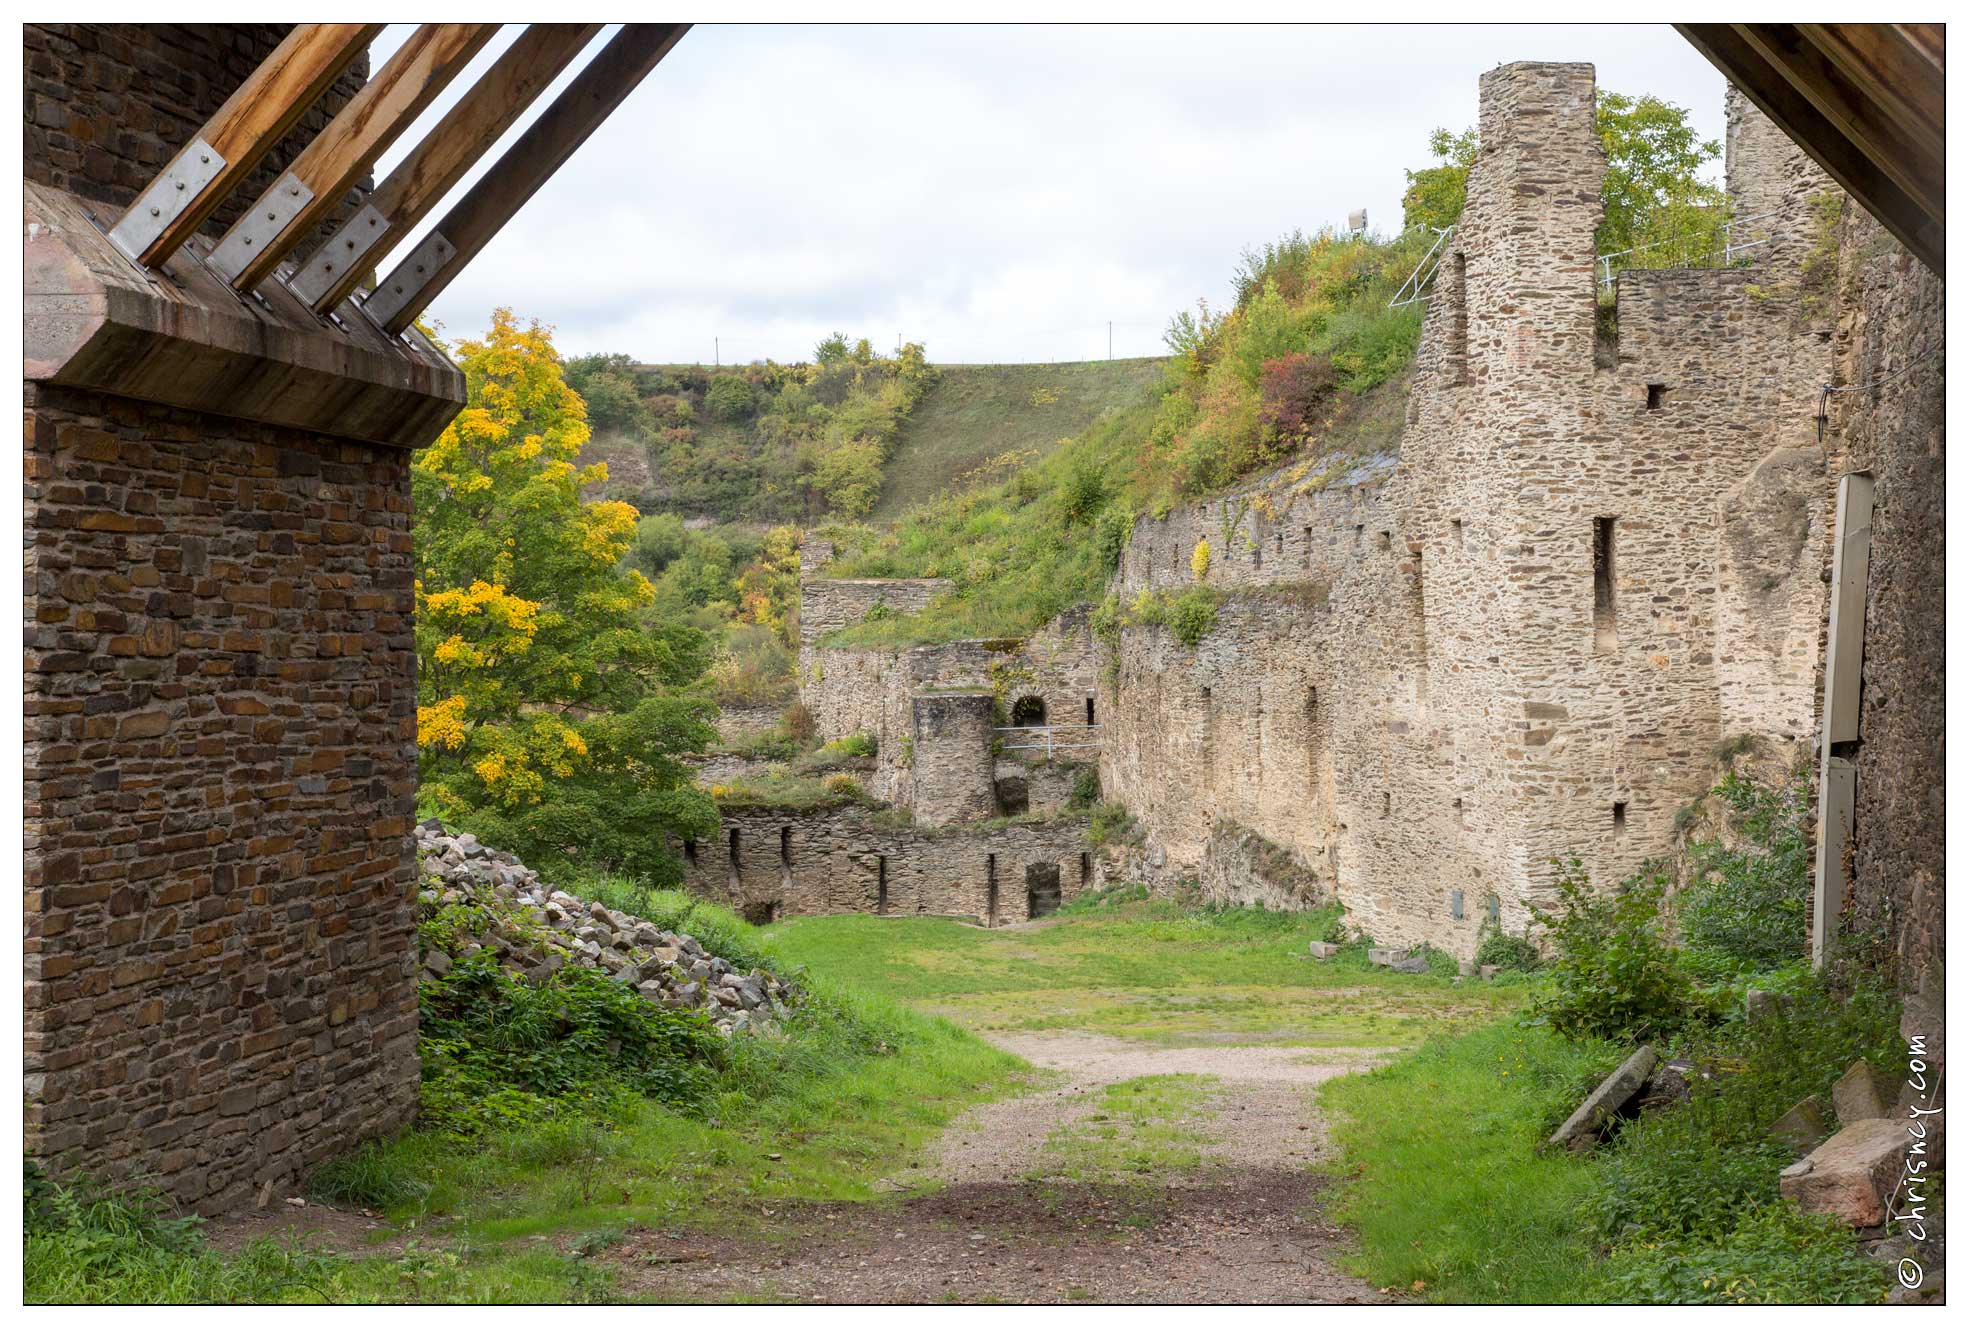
<point x="93" y="319"/>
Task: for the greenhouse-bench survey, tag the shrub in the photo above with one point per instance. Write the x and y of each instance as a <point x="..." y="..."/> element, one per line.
<point x="1749" y="908"/>
<point x="731" y="398"/>
<point x="1293" y="388"/>
<point x="1112" y="532"/>
<point x="1614" y="976"/>
<point x="1192" y="615"/>
<point x="1082" y="492"/>
<point x="498" y="1051"/>
<point x="1200" y="559"/>
<point x="1513" y="954"/>
<point x="799" y="723"/>
<point x="1109" y="823"/>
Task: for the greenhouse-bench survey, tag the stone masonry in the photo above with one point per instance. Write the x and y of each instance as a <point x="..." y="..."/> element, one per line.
<point x="1524" y="637"/>
<point x="219" y="674"/>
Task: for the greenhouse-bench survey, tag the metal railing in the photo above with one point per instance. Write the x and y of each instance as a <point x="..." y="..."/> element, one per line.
<point x="1417" y="286"/>
<point x="1692" y="248"/>
<point x="1051" y="744"/>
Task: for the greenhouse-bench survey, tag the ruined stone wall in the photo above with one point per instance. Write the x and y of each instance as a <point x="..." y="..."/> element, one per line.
<point x="1427" y="683"/>
<point x="220" y="765"/>
<point x="1892" y="354"/>
<point x="774" y="862"/>
<point x="109" y="104"/>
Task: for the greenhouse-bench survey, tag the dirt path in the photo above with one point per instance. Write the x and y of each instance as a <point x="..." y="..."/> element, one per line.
<point x="1129" y="1174"/>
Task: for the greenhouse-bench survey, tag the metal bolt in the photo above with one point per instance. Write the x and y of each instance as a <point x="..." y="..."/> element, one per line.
<point x="181" y="184"/>
<point x="269" y="216"/>
<point x="154" y="212"/>
<point x="205" y="158"/>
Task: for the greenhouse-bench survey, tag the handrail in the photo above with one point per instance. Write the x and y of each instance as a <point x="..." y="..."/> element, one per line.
<point x="1731" y="246"/>
<point x="1051" y="745"/>
<point x="1419" y="279"/>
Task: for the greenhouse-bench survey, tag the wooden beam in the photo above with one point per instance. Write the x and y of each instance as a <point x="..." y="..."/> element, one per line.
<point x="340" y="155"/>
<point x="421" y="180"/>
<point x="237" y="138"/>
<point x="1854" y="109"/>
<point x="1899" y="67"/>
<point x="1821" y="138"/>
<point x="502" y="191"/>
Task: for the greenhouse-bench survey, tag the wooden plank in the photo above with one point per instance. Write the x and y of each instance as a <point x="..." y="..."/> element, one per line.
<point x="1854" y="109"/>
<point x="339" y="156"/>
<point x="257" y="116"/>
<point x="1821" y="139"/>
<point x="502" y="191"/>
<point x="1894" y="69"/>
<point x="422" y="179"/>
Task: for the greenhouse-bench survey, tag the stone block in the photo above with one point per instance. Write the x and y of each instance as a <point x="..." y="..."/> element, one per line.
<point x="1852" y="1175"/>
<point x="1382" y="955"/>
<point x="1414" y="964"/>
<point x="1803" y="1127"/>
<point x="1323" y="950"/>
<point x="1488" y="970"/>
<point x="1863" y="1094"/>
<point x="1592" y="1118"/>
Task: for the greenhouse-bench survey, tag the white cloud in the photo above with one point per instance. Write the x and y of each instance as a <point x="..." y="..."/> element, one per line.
<point x="999" y="193"/>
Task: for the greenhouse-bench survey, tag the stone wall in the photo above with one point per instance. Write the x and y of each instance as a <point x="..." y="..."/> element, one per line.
<point x="773" y="862"/>
<point x="1888" y="420"/>
<point x="1522" y="640"/>
<point x="219" y="771"/>
<point x="109" y="104"/>
<point x="219" y="682"/>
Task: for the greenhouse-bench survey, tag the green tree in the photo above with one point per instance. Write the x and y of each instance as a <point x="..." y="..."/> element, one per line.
<point x="1653" y="193"/>
<point x="547" y="715"/>
<point x="607" y="384"/>
<point x="1435" y="193"/>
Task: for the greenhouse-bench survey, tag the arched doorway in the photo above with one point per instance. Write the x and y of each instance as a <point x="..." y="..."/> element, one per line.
<point x="1029" y="710"/>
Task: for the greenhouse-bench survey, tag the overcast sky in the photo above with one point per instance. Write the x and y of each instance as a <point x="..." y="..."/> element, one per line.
<point x="998" y="193"/>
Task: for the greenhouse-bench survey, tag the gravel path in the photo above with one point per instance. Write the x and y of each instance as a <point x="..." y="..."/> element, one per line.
<point x="1244" y="1226"/>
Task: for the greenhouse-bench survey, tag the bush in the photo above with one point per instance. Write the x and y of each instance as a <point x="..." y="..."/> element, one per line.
<point x="731" y="398"/>
<point x="799" y="723"/>
<point x="1200" y="559"/>
<point x="1509" y="953"/>
<point x="1614" y="977"/>
<point x="1112" y="532"/>
<point x="1082" y="492"/>
<point x="1192" y="615"/>
<point x="498" y="1051"/>
<point x="1108" y="823"/>
<point x="1293" y="388"/>
<point x="1749" y="908"/>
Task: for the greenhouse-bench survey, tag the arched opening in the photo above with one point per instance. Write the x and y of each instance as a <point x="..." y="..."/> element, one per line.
<point x="1029" y="710"/>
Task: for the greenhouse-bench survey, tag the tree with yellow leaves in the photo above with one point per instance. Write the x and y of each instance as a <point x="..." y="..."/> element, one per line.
<point x="547" y="716"/>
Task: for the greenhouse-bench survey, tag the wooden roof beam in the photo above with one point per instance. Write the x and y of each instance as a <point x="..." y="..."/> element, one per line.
<point x="237" y="138"/>
<point x="1855" y="109"/>
<point x="502" y="191"/>
<point x="1823" y="138"/>
<point x="339" y="156"/>
<point x="421" y="180"/>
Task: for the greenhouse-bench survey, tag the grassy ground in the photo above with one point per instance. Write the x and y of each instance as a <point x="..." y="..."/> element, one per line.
<point x="972" y="413"/>
<point x="1149" y="971"/>
<point x="1144" y="1128"/>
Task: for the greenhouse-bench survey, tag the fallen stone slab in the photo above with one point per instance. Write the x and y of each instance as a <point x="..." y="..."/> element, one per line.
<point x="1863" y="1094"/>
<point x="1323" y="950"/>
<point x="1382" y="955"/>
<point x="1803" y="1127"/>
<point x="1488" y="970"/>
<point x="1590" y="1120"/>
<point x="1852" y="1175"/>
<point x="1414" y="964"/>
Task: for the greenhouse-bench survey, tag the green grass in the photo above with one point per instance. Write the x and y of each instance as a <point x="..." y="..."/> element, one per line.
<point x="973" y="413"/>
<point x="1140" y="1131"/>
<point x="1443" y="1178"/>
<point x="1151" y="970"/>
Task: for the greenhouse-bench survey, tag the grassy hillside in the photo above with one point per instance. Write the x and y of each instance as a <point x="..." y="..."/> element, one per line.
<point x="973" y="414"/>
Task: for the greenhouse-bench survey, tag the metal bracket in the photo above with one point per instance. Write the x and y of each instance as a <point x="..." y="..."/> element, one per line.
<point x="169" y="195"/>
<point x="260" y="227"/>
<point x="396" y="291"/>
<point x="343" y="251"/>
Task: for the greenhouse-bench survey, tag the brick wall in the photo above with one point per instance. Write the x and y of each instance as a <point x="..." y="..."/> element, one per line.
<point x="219" y="773"/>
